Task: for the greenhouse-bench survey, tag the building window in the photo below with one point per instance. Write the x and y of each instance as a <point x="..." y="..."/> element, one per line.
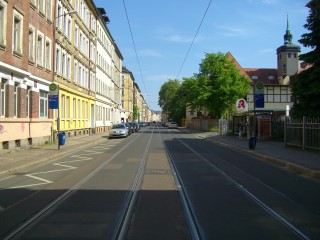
<point x="58" y="52"/>
<point x="49" y="9"/>
<point x="28" y="101"/>
<point x="15" y="100"/>
<point x="68" y="108"/>
<point x="31" y="44"/>
<point x="62" y="105"/>
<point x="289" y="55"/>
<point x="75" y="71"/>
<point x="68" y="33"/>
<point x="17" y="33"/>
<point x="74" y="115"/>
<point x="48" y="55"/>
<point x="40" y="44"/>
<point x="41" y="7"/>
<point x="63" y="64"/>
<point x="34" y="3"/>
<point x="3" y="24"/>
<point x="68" y="74"/>
<point x="3" y="98"/>
<point x="43" y="104"/>
<point x="76" y="37"/>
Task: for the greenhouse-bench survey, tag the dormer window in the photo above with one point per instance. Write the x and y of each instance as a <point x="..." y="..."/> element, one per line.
<point x="254" y="77"/>
<point x="271" y="78"/>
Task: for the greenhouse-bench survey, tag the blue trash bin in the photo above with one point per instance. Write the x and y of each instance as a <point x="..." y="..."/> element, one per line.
<point x="62" y="138"/>
<point x="252" y="142"/>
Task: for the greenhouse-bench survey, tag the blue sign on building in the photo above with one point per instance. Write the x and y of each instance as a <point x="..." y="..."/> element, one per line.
<point x="259" y="100"/>
<point x="53" y="101"/>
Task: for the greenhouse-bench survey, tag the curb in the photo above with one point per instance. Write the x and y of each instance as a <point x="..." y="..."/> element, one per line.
<point x="291" y="166"/>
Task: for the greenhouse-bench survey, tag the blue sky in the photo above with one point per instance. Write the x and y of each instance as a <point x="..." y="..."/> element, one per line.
<point x="163" y="30"/>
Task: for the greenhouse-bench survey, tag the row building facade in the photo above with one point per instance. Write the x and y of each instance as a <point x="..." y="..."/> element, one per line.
<point x="65" y="43"/>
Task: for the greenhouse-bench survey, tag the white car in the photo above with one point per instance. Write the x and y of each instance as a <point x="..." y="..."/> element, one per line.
<point x="172" y="125"/>
<point x="119" y="130"/>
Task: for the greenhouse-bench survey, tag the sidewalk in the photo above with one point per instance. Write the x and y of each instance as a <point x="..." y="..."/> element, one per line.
<point x="14" y="160"/>
<point x="304" y="162"/>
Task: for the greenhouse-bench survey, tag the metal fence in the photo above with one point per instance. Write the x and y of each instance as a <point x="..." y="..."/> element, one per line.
<point x="304" y="133"/>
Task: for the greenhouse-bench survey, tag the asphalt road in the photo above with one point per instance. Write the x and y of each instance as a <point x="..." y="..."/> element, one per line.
<point x="85" y="195"/>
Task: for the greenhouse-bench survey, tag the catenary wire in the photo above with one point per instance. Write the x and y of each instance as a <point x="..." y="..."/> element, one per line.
<point x="185" y="58"/>
<point x="135" y="50"/>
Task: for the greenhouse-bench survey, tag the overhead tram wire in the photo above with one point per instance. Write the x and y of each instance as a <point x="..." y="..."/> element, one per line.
<point x="185" y="58"/>
<point x="135" y="49"/>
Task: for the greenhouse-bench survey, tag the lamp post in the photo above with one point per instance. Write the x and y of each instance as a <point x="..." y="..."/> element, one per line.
<point x="55" y="67"/>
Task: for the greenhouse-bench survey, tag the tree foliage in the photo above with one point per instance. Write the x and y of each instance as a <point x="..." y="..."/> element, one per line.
<point x="171" y="100"/>
<point x="220" y="84"/>
<point x="215" y="88"/>
<point x="306" y="85"/>
<point x="135" y="112"/>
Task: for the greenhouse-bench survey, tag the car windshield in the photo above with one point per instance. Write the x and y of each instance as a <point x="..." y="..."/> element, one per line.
<point x="173" y="123"/>
<point x="118" y="126"/>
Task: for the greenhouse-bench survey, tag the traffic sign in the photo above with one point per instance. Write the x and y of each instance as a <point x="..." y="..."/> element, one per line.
<point x="53" y="89"/>
<point x="53" y="101"/>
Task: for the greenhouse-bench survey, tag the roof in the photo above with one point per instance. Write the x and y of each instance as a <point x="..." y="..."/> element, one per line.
<point x="232" y="59"/>
<point x="268" y="76"/>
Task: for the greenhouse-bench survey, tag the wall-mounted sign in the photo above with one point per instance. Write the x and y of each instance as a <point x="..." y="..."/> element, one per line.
<point x="241" y="105"/>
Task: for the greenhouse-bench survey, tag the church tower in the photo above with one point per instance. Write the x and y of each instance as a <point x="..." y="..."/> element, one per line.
<point x="287" y="58"/>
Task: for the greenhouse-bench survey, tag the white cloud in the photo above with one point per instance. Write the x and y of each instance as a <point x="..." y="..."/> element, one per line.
<point x="233" y="31"/>
<point x="177" y="38"/>
<point x="149" y="53"/>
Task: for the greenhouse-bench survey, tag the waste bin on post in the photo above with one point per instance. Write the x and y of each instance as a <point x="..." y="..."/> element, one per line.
<point x="252" y="142"/>
<point x="61" y="138"/>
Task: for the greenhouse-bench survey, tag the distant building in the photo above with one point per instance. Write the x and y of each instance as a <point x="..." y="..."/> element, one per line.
<point x="277" y="94"/>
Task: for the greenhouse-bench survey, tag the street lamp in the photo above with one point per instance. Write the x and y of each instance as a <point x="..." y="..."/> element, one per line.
<point x="55" y="67"/>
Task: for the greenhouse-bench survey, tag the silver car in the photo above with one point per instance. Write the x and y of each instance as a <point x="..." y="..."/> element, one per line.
<point x="172" y="125"/>
<point x="119" y="130"/>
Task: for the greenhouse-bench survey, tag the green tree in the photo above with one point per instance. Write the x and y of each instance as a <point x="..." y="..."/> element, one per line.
<point x="135" y="112"/>
<point x="171" y="100"/>
<point x="221" y="84"/>
<point x="306" y="84"/>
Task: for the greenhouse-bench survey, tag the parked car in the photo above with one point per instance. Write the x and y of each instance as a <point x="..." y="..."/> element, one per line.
<point x="172" y="125"/>
<point x="129" y="128"/>
<point x="136" y="126"/>
<point x="143" y="124"/>
<point x="119" y="130"/>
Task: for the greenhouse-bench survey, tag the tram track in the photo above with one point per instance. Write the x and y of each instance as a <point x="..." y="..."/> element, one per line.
<point x="128" y="204"/>
<point x="205" y="156"/>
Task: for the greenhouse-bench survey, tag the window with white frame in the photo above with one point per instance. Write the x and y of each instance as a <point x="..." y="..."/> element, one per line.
<point x="42" y="6"/>
<point x="17" y="32"/>
<point x="33" y="3"/>
<point x="76" y="37"/>
<point x="48" y="54"/>
<point x="28" y="101"/>
<point x="15" y="99"/>
<point x="58" y="56"/>
<point x="40" y="49"/>
<point x="58" y="17"/>
<point x="63" y="63"/>
<point x="3" y="22"/>
<point x="3" y="98"/>
<point x="79" y="109"/>
<point x="31" y="43"/>
<point x="68" y="66"/>
<point x="43" y="103"/>
<point x="62" y="105"/>
<point x="75" y="71"/>
<point x="74" y="109"/>
<point x="68" y="107"/>
<point x="49" y="9"/>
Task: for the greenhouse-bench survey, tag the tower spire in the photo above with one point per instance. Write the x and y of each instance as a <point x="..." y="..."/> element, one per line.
<point x="288" y="36"/>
